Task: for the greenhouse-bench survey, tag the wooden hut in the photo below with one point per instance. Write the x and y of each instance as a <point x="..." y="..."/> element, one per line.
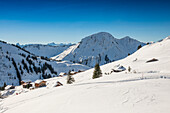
<point x="26" y="83"/>
<point x="72" y="73"/>
<point x="40" y="83"/>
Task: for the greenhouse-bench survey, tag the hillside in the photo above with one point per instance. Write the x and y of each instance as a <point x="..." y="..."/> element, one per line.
<point x="17" y="64"/>
<point x="143" y="89"/>
<point x="48" y="50"/>
<point x="99" y="48"/>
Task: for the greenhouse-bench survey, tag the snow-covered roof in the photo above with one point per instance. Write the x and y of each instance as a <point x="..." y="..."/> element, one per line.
<point x="62" y="73"/>
<point x="72" y="72"/>
<point x="38" y="81"/>
<point x="120" y="67"/>
<point x="8" y="87"/>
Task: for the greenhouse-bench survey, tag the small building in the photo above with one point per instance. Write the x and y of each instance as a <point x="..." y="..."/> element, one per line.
<point x="72" y="73"/>
<point x="40" y="83"/>
<point x="26" y="83"/>
<point x="80" y="71"/>
<point x="9" y="87"/>
<point x="58" y="84"/>
<point x="119" y="68"/>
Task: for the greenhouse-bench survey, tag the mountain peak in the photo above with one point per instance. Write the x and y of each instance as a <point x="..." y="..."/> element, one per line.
<point x="100" y="36"/>
<point x="127" y="38"/>
<point x="105" y="34"/>
<point x="100" y="48"/>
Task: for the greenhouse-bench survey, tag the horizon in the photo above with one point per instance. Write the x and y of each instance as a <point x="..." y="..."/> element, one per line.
<point x="22" y="44"/>
<point x="68" y="21"/>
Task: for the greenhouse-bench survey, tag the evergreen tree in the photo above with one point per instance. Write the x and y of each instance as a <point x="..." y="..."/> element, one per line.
<point x="129" y="68"/>
<point x="3" y="88"/>
<point x="97" y="72"/>
<point x="139" y="47"/>
<point x="70" y="79"/>
<point x="1" y="95"/>
<point x="107" y="59"/>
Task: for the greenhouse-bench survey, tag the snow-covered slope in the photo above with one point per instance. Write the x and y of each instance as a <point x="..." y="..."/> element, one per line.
<point x="144" y="91"/>
<point x="17" y="64"/>
<point x="48" y="50"/>
<point x="100" y="48"/>
<point x="139" y="60"/>
<point x="66" y="52"/>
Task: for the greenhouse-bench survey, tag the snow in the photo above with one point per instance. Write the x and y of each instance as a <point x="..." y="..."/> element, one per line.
<point x="38" y="81"/>
<point x="144" y="91"/>
<point x="8" y="87"/>
<point x="104" y="95"/>
<point x="62" y="73"/>
<point x="66" y="52"/>
<point x="119" y="67"/>
<point x="167" y="38"/>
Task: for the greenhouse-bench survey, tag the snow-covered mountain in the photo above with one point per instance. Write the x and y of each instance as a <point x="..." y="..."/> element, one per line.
<point x="49" y="50"/>
<point x="99" y="48"/>
<point x="143" y="89"/>
<point x="18" y="64"/>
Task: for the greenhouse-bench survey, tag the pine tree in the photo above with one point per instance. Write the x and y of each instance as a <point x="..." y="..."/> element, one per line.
<point x="129" y="68"/>
<point x="97" y="72"/>
<point x="139" y="47"/>
<point x="4" y="85"/>
<point x="70" y="79"/>
<point x="1" y="95"/>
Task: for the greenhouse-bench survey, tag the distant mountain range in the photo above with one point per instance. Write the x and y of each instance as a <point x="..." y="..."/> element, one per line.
<point x="48" y="50"/>
<point x="49" y="44"/>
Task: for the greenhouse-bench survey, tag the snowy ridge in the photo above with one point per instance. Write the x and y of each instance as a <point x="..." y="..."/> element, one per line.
<point x="100" y="48"/>
<point x="145" y="89"/>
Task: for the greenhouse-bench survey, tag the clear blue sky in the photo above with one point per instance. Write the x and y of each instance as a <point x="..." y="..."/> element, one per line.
<point x="44" y="21"/>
